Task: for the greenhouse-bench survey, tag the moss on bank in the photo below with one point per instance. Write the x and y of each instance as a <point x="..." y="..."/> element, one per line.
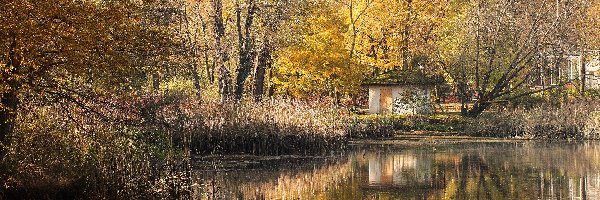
<point x="373" y="126"/>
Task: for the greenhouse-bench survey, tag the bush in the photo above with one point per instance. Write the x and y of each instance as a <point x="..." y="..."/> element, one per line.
<point x="65" y="151"/>
<point x="528" y="101"/>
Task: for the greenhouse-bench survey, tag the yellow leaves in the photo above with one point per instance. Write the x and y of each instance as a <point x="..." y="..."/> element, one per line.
<point x="590" y="25"/>
<point x="179" y="85"/>
<point x="320" y="63"/>
<point x="391" y="29"/>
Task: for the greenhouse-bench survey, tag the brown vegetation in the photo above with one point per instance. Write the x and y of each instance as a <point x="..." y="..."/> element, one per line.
<point x="574" y="120"/>
<point x="145" y="147"/>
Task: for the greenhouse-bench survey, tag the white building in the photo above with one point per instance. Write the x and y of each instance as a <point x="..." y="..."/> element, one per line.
<point x="401" y="92"/>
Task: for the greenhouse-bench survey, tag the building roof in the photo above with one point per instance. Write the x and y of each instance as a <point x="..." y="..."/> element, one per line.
<point x="404" y="77"/>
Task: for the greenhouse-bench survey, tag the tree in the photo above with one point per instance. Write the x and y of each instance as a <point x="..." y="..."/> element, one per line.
<point x="274" y="30"/>
<point x="221" y="55"/>
<point x="354" y="18"/>
<point x="399" y="34"/>
<point x="53" y="49"/>
<point x="246" y="52"/>
<point x="502" y="44"/>
<point x="314" y="63"/>
<point x="588" y="25"/>
<point x="192" y="26"/>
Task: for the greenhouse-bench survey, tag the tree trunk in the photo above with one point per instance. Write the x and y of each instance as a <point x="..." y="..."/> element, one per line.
<point x="353" y="23"/>
<point x="9" y="101"/>
<point x="155" y="82"/>
<point x="477" y="109"/>
<point x="405" y="39"/>
<point x="220" y="58"/>
<point x="196" y="78"/>
<point x="245" y="65"/>
<point x="209" y="74"/>
<point x="464" y="96"/>
<point x="209" y="68"/>
<point x="246" y="49"/>
<point x="224" y="84"/>
<point x="583" y="72"/>
<point x="264" y="61"/>
<point x="271" y="87"/>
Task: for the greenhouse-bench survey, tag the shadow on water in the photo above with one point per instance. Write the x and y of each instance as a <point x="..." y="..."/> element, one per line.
<point x="461" y="170"/>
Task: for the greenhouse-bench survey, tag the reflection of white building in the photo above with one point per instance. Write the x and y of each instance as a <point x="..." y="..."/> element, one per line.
<point x="374" y="171"/>
<point x="593" y="186"/>
<point x="399" y="170"/>
<point x="585" y="187"/>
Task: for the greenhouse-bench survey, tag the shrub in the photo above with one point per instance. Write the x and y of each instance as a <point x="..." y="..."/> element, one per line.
<point x="66" y="151"/>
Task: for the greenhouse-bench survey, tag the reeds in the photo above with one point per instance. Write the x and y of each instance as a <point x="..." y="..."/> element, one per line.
<point x="272" y="127"/>
<point x="572" y="120"/>
<point x="61" y="151"/>
<point x="141" y="147"/>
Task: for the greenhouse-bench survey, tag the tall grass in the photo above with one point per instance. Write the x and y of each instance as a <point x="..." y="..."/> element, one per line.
<point x="571" y="120"/>
<point x="142" y="147"/>
<point x="269" y="128"/>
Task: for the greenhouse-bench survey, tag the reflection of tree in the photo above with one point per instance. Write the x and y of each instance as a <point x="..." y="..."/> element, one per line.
<point x="476" y="178"/>
<point x="492" y="171"/>
<point x="524" y="172"/>
<point x="464" y="171"/>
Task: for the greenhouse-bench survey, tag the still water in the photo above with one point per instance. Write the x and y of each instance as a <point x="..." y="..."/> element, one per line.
<point x="419" y="170"/>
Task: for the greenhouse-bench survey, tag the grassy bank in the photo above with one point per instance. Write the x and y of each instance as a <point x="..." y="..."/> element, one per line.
<point x="573" y="120"/>
<point x="269" y="128"/>
<point x="272" y="127"/>
<point x="374" y="126"/>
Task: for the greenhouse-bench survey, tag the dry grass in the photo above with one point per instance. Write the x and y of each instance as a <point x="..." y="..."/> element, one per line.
<point x="573" y="120"/>
<point x="144" y="148"/>
<point x="62" y="152"/>
<point x="270" y="128"/>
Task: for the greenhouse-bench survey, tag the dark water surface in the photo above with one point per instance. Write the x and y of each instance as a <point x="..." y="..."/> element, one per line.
<point x="422" y="170"/>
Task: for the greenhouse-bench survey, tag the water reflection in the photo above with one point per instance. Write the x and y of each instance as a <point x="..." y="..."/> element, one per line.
<point x="399" y="170"/>
<point x="507" y="170"/>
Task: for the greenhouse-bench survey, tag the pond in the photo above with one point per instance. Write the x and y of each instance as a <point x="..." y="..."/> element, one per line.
<point x="423" y="169"/>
